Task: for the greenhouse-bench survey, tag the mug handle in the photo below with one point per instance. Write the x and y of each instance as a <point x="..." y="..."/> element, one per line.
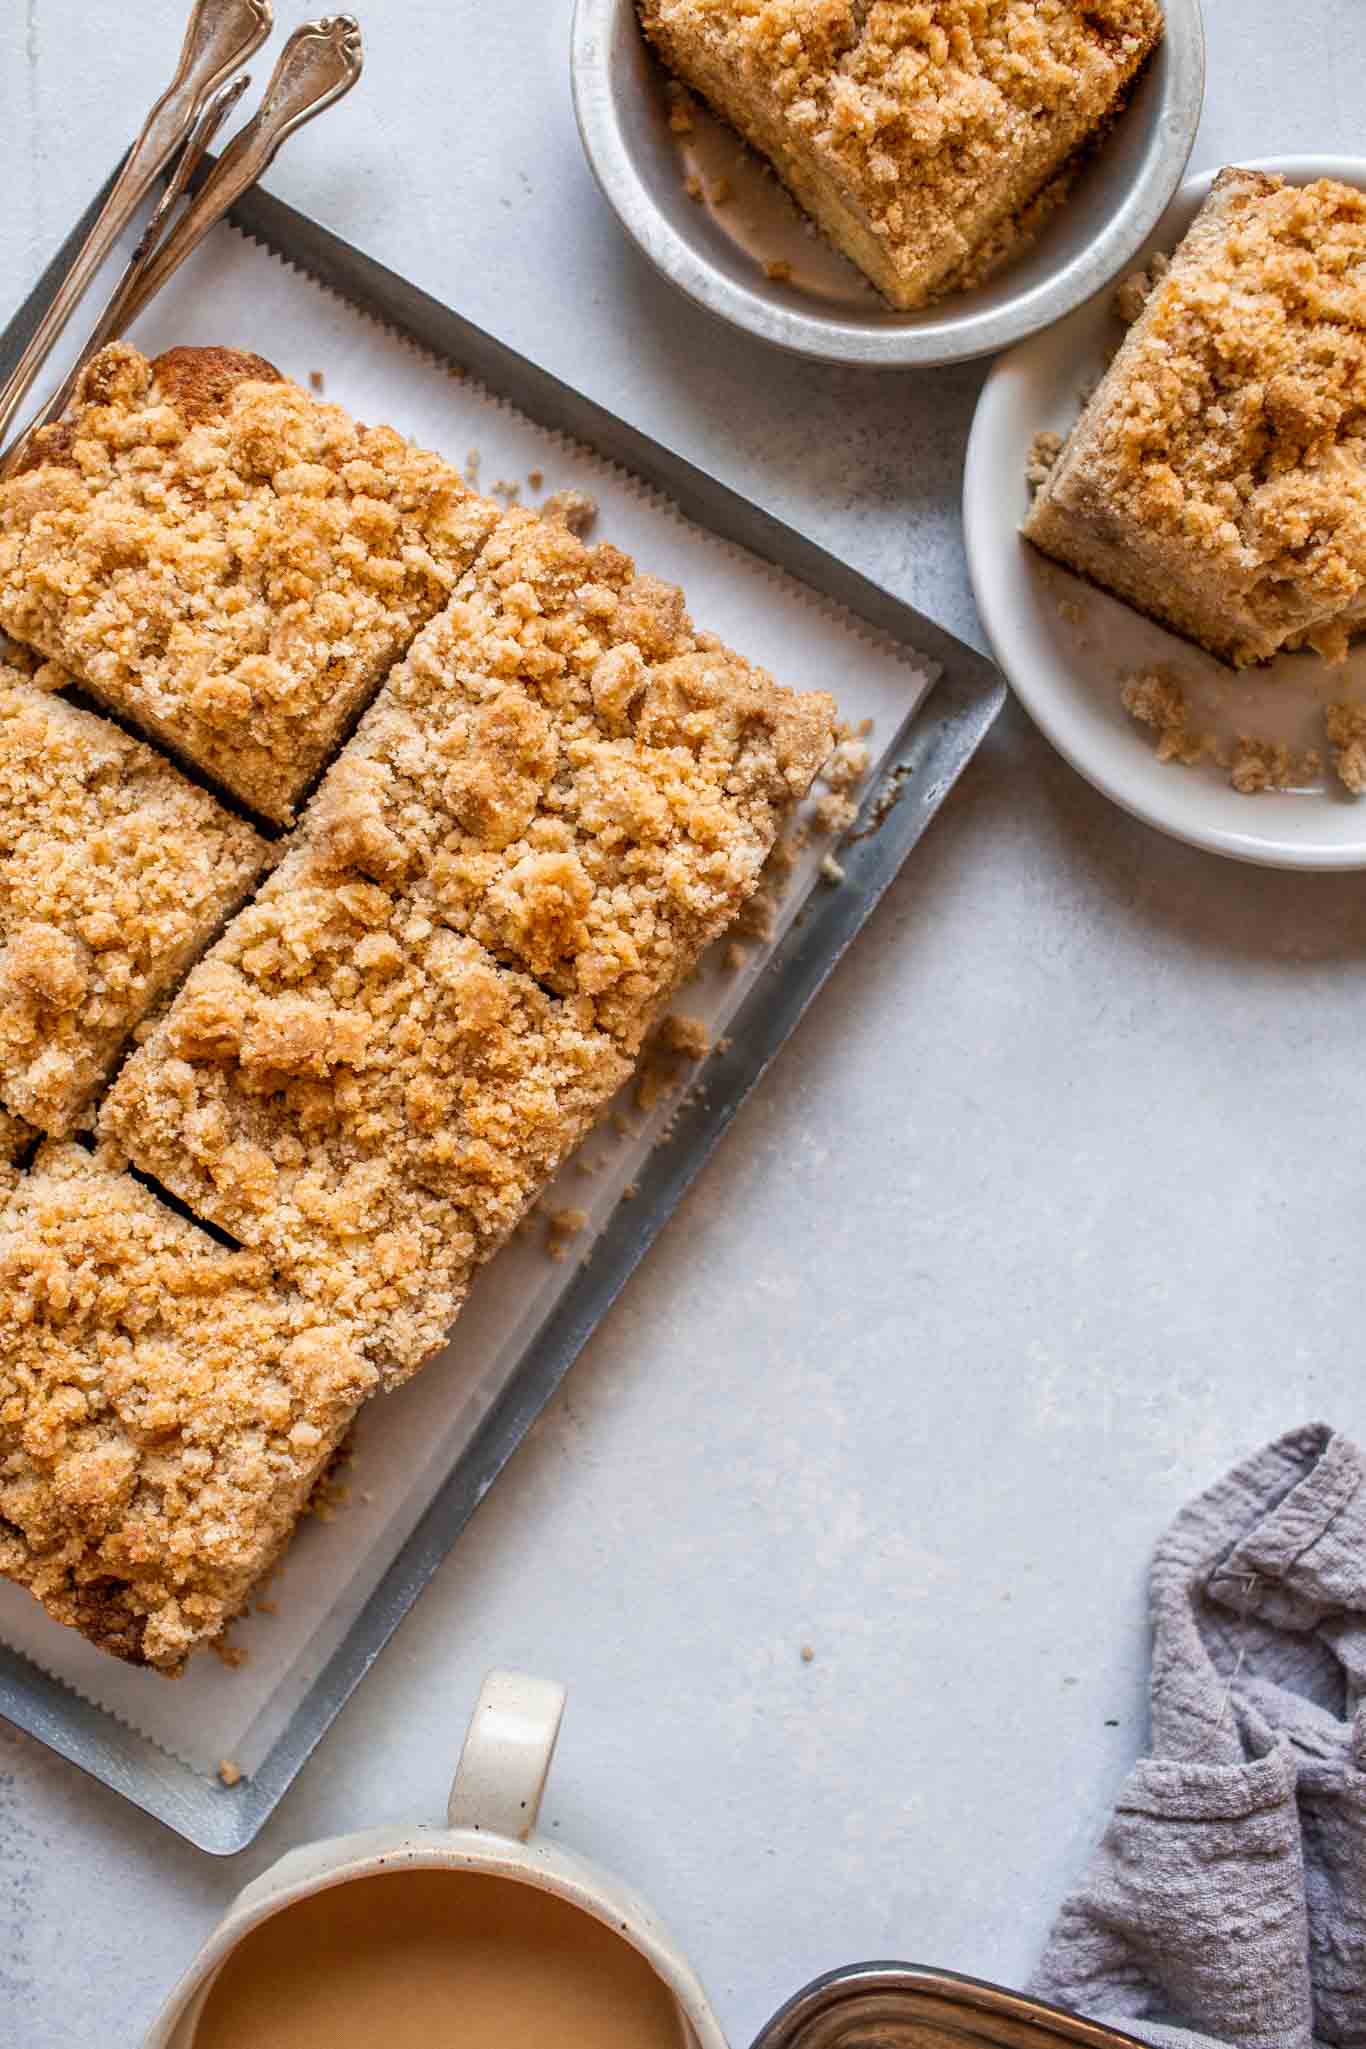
<point x="506" y="1755"/>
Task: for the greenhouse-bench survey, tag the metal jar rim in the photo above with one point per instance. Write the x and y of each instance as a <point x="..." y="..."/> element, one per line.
<point x="894" y="2005"/>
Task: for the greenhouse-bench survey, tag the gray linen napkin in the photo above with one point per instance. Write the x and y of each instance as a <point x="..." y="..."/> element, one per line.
<point x="1229" y="1892"/>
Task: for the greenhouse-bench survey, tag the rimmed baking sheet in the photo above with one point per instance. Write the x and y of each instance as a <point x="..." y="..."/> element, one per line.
<point x="425" y="1456"/>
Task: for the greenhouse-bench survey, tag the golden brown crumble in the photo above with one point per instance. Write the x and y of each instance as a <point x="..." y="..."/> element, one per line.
<point x="164" y="1410"/>
<point x="1346" y="728"/>
<point x="565" y="769"/>
<point x="227" y="560"/>
<point x="1217" y="480"/>
<point x="554" y="805"/>
<point x="365" y="1095"/>
<point x="229" y="1771"/>
<point x="561" y="1226"/>
<point x="1260" y="764"/>
<point x="572" y="509"/>
<point x="1156" y="699"/>
<point x="834" y="813"/>
<point x="115" y="872"/>
<point x="848" y="764"/>
<point x="680" y="1033"/>
<point x="914" y="131"/>
<point x="1044" y="451"/>
<point x="1254" y="763"/>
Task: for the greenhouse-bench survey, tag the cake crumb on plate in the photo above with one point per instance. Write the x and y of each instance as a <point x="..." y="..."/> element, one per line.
<point x="1346" y="724"/>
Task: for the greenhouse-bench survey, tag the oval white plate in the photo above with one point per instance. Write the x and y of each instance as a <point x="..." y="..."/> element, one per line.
<point x="1066" y="646"/>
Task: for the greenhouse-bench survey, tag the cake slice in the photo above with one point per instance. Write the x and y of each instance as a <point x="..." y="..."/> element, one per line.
<point x="165" y="1412"/>
<point x="568" y="771"/>
<point x="1217" y="478"/>
<point x="226" y="561"/>
<point x="115" y="873"/>
<point x="365" y="1096"/>
<point x="915" y="135"/>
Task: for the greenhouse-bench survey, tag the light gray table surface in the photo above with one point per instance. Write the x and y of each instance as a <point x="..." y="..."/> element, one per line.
<point x="1051" y="1210"/>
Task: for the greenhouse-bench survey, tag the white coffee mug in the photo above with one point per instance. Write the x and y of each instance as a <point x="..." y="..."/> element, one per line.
<point x="491" y="1819"/>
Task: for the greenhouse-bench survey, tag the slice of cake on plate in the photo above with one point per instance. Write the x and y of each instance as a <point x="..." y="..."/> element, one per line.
<point x="915" y="132"/>
<point x="1217" y="478"/>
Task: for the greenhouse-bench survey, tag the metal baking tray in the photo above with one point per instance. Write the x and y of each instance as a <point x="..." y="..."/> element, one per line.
<point x="919" y="770"/>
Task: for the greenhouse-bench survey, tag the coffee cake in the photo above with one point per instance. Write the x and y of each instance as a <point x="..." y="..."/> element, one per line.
<point x="365" y="1095"/>
<point x="1217" y="479"/>
<point x="915" y="132"/>
<point x="566" y="769"/>
<point x="227" y="561"/>
<point x="165" y="1410"/>
<point x="115" y="873"/>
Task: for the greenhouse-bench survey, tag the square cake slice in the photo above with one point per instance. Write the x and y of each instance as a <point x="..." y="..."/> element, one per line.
<point x="227" y="561"/>
<point x="164" y="1412"/>
<point x="565" y="769"/>
<point x="115" y="874"/>
<point x="365" y="1096"/>
<point x="915" y="135"/>
<point x="1217" y="478"/>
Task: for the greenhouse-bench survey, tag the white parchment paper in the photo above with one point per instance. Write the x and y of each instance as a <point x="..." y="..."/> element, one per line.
<point x="235" y="293"/>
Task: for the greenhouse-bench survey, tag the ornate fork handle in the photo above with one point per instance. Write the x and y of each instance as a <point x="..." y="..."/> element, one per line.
<point x="220" y="35"/>
<point x="321" y="61"/>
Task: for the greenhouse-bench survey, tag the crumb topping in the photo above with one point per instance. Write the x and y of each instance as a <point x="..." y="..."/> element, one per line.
<point x="114" y="871"/>
<point x="569" y="772"/>
<point x="164" y="1410"/>
<point x="15" y="1138"/>
<point x="227" y="559"/>
<point x="364" y="1094"/>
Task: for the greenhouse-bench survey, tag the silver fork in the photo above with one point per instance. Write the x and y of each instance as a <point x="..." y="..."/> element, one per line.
<point x="321" y="61"/>
<point x="221" y="34"/>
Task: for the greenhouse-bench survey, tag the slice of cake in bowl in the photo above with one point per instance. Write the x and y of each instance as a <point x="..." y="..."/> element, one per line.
<point x="917" y="136"/>
<point x="1217" y="479"/>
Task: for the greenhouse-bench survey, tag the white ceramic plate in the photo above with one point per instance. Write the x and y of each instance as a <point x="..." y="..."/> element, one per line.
<point x="1066" y="647"/>
<point x="821" y="306"/>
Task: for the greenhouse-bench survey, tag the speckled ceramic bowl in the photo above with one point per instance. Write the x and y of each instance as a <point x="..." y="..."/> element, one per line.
<point x="827" y="309"/>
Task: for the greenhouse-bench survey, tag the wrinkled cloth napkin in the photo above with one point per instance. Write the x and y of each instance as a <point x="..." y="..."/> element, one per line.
<point x="1228" y="1895"/>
